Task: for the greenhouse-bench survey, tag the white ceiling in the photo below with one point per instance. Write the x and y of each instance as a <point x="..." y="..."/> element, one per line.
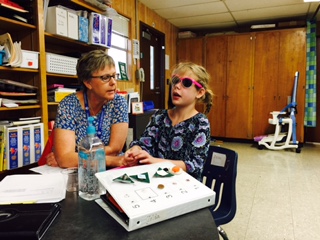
<point x="219" y="14"/>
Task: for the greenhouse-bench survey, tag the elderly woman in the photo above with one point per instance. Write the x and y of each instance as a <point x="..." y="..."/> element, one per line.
<point x="98" y="98"/>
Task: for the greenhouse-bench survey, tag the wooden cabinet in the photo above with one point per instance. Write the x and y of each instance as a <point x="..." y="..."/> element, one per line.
<point x="252" y="74"/>
<point x="229" y="61"/>
<point x="239" y="86"/>
<point x="191" y="49"/>
<point x="278" y="55"/>
<point x="216" y="64"/>
<point x="266" y="81"/>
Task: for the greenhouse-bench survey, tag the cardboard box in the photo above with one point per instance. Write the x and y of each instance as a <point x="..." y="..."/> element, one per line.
<point x="73" y="25"/>
<point x="57" y="21"/>
<point x="30" y="59"/>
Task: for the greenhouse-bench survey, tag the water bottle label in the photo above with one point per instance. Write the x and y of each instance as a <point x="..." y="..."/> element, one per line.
<point x="101" y="157"/>
<point x="84" y="155"/>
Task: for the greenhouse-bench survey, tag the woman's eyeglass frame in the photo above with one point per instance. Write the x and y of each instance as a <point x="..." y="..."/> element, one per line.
<point x="106" y="78"/>
<point x="186" y="82"/>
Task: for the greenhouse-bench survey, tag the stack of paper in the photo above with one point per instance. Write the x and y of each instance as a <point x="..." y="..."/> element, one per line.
<point x="13" y="56"/>
<point x="31" y="188"/>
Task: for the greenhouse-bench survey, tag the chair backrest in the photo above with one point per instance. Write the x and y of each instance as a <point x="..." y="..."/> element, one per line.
<point x="219" y="173"/>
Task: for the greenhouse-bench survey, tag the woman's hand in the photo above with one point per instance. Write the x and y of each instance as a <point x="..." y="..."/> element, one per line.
<point x="51" y="160"/>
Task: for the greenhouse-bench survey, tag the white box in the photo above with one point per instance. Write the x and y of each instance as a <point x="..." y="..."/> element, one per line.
<point x="162" y="198"/>
<point x="57" y="21"/>
<point x="30" y="59"/>
<point x="61" y="64"/>
<point x="73" y="25"/>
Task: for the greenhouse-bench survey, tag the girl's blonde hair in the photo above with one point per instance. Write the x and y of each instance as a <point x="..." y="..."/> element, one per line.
<point x="203" y="78"/>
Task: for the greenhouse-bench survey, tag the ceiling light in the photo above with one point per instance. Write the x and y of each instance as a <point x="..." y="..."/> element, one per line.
<point x="311" y="0"/>
<point x="263" y="26"/>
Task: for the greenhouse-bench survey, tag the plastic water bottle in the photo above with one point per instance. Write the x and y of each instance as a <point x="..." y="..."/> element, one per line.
<point x="91" y="157"/>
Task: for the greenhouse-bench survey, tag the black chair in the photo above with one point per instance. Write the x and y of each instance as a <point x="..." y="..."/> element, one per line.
<point x="219" y="174"/>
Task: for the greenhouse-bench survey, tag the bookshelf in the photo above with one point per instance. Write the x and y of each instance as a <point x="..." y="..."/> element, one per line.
<point x="33" y="37"/>
<point x="29" y="35"/>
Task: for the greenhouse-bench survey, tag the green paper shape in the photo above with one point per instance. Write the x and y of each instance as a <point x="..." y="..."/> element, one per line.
<point x="123" y="179"/>
<point x="163" y="172"/>
<point x="142" y="177"/>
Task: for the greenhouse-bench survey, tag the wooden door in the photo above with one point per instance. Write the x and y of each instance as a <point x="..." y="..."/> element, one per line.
<point x="265" y="93"/>
<point x="152" y="46"/>
<point x="292" y="58"/>
<point x="239" y="87"/>
<point x="216" y="65"/>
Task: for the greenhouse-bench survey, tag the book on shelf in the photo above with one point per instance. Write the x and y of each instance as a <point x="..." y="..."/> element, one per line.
<point x="54" y="86"/>
<point x="29" y="118"/>
<point x="7" y="85"/>
<point x="23" y="144"/>
<point x="21" y="121"/>
<point x="17" y="102"/>
<point x="16" y="94"/>
<point x="28" y="6"/>
<point x="25" y="122"/>
<point x="13" y="6"/>
<point x="13" y="53"/>
<point x="2" y="144"/>
<point x="62" y="89"/>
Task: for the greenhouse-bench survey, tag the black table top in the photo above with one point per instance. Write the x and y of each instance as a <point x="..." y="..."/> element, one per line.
<point x="81" y="219"/>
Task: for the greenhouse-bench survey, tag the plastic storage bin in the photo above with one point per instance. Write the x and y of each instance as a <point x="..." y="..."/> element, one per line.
<point x="61" y="64"/>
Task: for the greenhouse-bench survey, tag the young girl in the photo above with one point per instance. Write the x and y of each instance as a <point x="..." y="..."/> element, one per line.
<point x="181" y="134"/>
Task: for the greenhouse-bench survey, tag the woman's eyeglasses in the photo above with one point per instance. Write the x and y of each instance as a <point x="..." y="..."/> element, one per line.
<point x="106" y="78"/>
<point x="186" y="82"/>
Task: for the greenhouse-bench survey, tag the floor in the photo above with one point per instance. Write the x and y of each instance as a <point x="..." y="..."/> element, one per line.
<point x="278" y="194"/>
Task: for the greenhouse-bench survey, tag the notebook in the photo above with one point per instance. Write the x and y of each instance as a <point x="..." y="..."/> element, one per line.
<point x="27" y="221"/>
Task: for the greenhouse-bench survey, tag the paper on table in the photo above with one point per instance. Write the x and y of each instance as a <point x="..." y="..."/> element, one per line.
<point x="31" y="188"/>
<point x="45" y="169"/>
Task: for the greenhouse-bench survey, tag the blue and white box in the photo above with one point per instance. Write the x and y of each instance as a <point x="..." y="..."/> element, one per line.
<point x="26" y="145"/>
<point x="94" y="28"/>
<point x="103" y="32"/>
<point x="38" y="140"/>
<point x="109" y="32"/>
<point x="83" y="29"/>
